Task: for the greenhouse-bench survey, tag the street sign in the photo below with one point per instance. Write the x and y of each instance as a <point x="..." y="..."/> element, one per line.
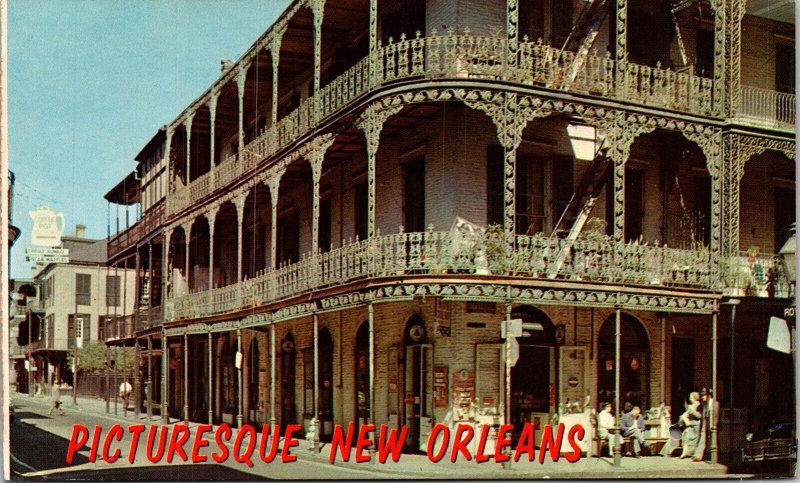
<point x="779" y="337"/>
<point x="512" y="346"/>
<point x="511" y="328"/>
<point x="46" y="259"/>
<point x="47" y="251"/>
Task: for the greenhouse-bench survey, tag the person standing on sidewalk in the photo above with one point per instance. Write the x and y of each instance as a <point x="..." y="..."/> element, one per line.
<point x="125" y="390"/>
<point x="709" y="422"/>
<point x="56" y="401"/>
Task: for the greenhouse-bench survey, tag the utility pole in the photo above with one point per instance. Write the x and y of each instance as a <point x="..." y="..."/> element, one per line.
<point x="75" y="352"/>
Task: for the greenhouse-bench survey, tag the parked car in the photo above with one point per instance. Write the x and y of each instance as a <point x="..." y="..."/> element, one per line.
<point x="11" y="411"/>
<point x="773" y="450"/>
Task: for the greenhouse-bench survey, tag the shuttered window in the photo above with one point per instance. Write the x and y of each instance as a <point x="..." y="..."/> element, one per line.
<point x="83" y="289"/>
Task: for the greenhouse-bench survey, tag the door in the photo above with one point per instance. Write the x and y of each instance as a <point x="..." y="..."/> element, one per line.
<point x="419" y="394"/>
<point x="325" y="385"/>
<point x="682" y="371"/>
<point x="532" y="386"/>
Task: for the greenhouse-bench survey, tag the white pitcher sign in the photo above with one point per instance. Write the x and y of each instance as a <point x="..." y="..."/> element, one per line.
<point x="47" y="226"/>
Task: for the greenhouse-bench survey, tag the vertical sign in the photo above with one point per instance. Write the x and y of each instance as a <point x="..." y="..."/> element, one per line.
<point x="440" y="399"/>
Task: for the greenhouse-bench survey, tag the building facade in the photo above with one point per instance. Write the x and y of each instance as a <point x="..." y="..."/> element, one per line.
<point x="336" y="228"/>
<point x="82" y="299"/>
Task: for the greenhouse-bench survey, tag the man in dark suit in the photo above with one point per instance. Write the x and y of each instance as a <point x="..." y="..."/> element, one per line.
<point x="708" y="423"/>
<point x="632" y="426"/>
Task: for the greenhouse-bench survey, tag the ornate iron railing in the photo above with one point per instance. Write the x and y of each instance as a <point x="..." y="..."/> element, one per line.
<point x="755" y="275"/>
<point x="127" y="238"/>
<point x="458" y="56"/>
<point x="769" y="106"/>
<point x="438" y="253"/>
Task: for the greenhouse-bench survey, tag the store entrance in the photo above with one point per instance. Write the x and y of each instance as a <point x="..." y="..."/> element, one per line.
<point x="533" y="381"/>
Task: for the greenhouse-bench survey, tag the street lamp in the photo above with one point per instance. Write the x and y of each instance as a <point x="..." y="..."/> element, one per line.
<point x="788" y="257"/>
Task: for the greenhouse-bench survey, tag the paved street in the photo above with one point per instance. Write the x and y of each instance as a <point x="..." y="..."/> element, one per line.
<point x="39" y="447"/>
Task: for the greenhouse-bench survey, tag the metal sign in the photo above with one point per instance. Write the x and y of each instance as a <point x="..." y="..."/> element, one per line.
<point x="47" y="226"/>
<point x="45" y="259"/>
<point x="47" y="251"/>
<point x="512" y="346"/>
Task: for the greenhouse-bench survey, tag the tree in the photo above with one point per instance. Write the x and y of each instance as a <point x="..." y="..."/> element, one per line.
<point x="92" y="357"/>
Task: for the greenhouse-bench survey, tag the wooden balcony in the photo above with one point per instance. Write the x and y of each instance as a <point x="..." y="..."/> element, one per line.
<point x="451" y="56"/>
<point x="130" y="237"/>
<point x="454" y="254"/>
<point x="768" y="109"/>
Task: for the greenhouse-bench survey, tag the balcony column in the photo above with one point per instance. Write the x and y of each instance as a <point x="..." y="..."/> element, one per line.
<point x="512" y="20"/>
<point x="166" y="158"/>
<point x="315" y="420"/>
<point x="371" y="326"/>
<point x="166" y="277"/>
<point x="275" y="48"/>
<point x="212" y="112"/>
<point x="210" y="377"/>
<point x="274" y="183"/>
<point x="188" y="124"/>
<point x="371" y="122"/>
<point x="211" y="216"/>
<point x="713" y="428"/>
<point x="164" y="377"/>
<point x="150" y="285"/>
<point x="187" y="235"/>
<point x="239" y="202"/>
<point x="272" y="419"/>
<point x="318" y="10"/>
<point x="137" y="380"/>
<point x="240" y="395"/>
<point x="617" y="438"/>
<point x="149" y="383"/>
<point x="316" y="159"/>
<point x="621" y="47"/>
<point x="137" y="295"/>
<point x="732" y="51"/>
<point x="241" y="78"/>
<point x="374" y="44"/>
<point x="720" y="48"/>
<point x="186" y="377"/>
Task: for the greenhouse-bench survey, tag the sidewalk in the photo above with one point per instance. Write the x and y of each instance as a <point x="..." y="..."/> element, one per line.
<point x="419" y="466"/>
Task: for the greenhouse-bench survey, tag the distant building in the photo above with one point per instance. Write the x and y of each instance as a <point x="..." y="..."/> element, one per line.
<point x="82" y="299"/>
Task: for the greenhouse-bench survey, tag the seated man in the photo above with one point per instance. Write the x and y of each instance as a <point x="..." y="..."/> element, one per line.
<point x="632" y="426"/>
<point x="605" y="426"/>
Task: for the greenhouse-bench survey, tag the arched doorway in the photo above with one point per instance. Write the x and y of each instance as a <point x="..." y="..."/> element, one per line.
<point x="533" y="378"/>
<point x="362" y="374"/>
<point x="634" y="377"/>
<point x="325" y="384"/>
<point x="288" y="412"/>
<point x="253" y="383"/>
<point x="418" y="383"/>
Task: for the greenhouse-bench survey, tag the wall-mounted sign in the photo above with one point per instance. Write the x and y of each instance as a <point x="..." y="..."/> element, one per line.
<point x="47" y="255"/>
<point x="47" y="227"/>
<point x="440" y="397"/>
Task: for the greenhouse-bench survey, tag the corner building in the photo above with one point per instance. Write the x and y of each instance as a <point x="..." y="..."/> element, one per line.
<point x="335" y="229"/>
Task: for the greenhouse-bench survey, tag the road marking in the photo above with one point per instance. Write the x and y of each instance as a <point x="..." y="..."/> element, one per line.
<point x="22" y="463"/>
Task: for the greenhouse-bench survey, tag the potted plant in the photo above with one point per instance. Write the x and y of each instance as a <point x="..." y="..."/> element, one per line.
<point x="736" y="276"/>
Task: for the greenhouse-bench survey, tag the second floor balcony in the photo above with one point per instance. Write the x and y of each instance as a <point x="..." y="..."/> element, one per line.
<point x="131" y="236"/>
<point x="477" y="256"/>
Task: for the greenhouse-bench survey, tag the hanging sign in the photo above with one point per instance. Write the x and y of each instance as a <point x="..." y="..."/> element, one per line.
<point x="47" y="227"/>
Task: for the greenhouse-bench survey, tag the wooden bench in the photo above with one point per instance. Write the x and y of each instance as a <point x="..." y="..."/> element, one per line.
<point x="602" y="443"/>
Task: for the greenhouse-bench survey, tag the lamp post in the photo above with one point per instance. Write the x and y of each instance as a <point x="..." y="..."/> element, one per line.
<point x="788" y="257"/>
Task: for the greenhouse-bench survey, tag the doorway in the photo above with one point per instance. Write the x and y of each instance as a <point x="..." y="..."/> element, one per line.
<point x="325" y="385"/>
<point x="533" y="381"/>
<point x="682" y="371"/>
<point x="362" y="375"/>
<point x="634" y="361"/>
<point x="288" y="413"/>
<point x="418" y="384"/>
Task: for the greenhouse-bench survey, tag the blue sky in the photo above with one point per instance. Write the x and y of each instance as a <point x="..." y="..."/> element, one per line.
<point x="91" y="81"/>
